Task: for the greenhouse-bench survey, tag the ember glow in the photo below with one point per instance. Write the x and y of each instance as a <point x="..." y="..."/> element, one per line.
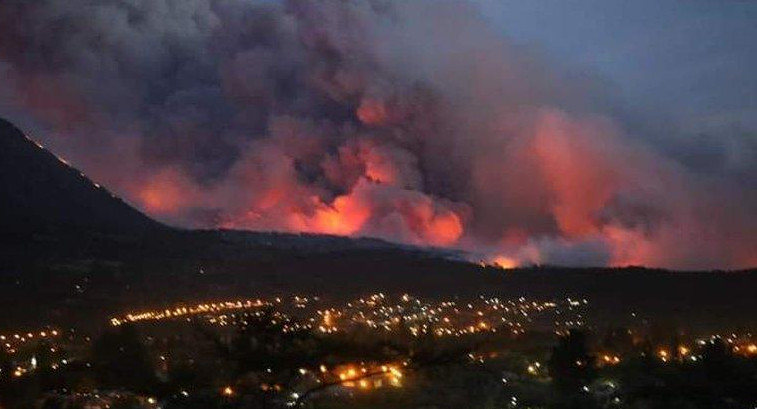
<point x="400" y="120"/>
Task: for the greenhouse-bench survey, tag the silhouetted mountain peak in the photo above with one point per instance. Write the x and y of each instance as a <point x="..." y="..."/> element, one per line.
<point x="40" y="192"/>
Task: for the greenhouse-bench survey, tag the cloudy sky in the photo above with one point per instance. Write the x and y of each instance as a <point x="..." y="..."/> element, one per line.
<point x="693" y="60"/>
<point x="686" y="68"/>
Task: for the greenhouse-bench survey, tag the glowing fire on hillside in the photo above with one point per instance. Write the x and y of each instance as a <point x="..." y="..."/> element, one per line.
<point x="416" y="124"/>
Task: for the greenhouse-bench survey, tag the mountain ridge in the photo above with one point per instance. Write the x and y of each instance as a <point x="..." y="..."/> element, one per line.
<point x="41" y="192"/>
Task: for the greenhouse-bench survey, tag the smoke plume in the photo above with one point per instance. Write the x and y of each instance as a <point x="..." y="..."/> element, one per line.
<point x="411" y="121"/>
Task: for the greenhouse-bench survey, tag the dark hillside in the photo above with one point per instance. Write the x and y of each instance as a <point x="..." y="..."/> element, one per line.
<point x="40" y="193"/>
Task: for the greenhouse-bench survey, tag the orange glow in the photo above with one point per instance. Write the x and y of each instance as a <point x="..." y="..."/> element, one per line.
<point x="505" y="262"/>
<point x="157" y="201"/>
<point x="381" y="171"/>
<point x="367" y="377"/>
<point x="576" y="169"/>
<point x="610" y="359"/>
<point x="163" y="193"/>
<point x="372" y="112"/>
<point x="270" y="198"/>
<point x="445" y="229"/>
<point x="629" y="247"/>
<point x="345" y="217"/>
<point x="570" y="198"/>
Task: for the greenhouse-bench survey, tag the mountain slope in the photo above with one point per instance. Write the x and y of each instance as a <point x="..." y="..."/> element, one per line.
<point x="39" y="192"/>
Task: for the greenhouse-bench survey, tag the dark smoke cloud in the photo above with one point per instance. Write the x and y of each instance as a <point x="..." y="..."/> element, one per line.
<point x="412" y="121"/>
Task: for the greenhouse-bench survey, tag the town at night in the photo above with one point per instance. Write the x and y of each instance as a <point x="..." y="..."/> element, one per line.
<point x="378" y="204"/>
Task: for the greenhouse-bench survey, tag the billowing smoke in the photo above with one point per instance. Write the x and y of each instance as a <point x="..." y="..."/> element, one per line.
<point x="408" y="120"/>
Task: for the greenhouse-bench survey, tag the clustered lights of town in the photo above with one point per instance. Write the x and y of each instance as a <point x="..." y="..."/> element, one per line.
<point x="378" y="204"/>
<point x="496" y="329"/>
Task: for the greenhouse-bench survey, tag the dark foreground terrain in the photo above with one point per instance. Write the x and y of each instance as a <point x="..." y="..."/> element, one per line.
<point x="57" y="276"/>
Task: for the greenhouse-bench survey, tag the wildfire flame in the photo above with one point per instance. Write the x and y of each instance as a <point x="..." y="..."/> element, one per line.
<point x="413" y="121"/>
